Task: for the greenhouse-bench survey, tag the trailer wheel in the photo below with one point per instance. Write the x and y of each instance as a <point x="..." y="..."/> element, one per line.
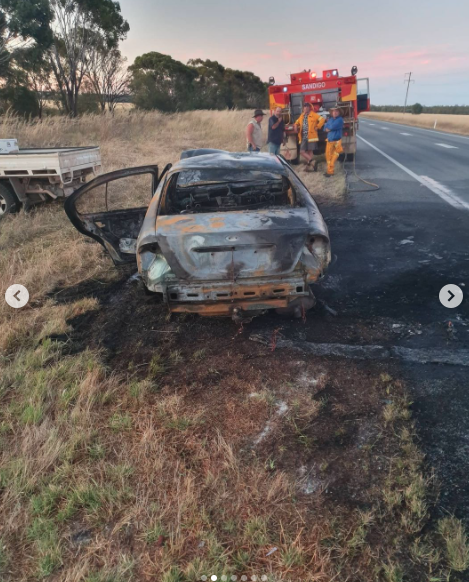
<point x="9" y="203"/>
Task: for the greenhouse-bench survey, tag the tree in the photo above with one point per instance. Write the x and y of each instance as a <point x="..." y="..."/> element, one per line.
<point x="245" y="90"/>
<point x="161" y="82"/>
<point x="23" y="34"/>
<point x="109" y="78"/>
<point x="210" y="85"/>
<point x="83" y="27"/>
<point x="417" y="109"/>
<point x="33" y="70"/>
<point x="23" y="25"/>
<point x="19" y="99"/>
<point x="68" y="33"/>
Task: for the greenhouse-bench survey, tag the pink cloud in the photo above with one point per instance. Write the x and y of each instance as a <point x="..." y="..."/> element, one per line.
<point x="398" y="60"/>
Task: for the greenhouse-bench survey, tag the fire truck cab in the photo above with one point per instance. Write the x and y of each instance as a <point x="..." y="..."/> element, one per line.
<point x="350" y="94"/>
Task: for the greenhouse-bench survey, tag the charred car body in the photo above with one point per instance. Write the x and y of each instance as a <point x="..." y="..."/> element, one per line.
<point x="225" y="234"/>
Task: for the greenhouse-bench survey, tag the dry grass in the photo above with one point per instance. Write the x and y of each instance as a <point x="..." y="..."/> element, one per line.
<point x="450" y="123"/>
<point x="122" y="475"/>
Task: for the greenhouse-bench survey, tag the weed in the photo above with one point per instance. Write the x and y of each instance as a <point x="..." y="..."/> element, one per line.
<point x="393" y="573"/>
<point x="156" y="367"/>
<point x="153" y="534"/>
<point x="457" y="547"/>
<point x="119" y="422"/>
<point x="96" y="451"/>
<point x="89" y="498"/>
<point x="270" y="464"/>
<point x="292" y="556"/>
<point x="138" y="389"/>
<point x="46" y="502"/>
<point x="199" y="355"/>
<point x="174" y="574"/>
<point x="241" y="559"/>
<point x="44" y="533"/>
<point x="255" y="531"/>
<point x="176" y="357"/>
<point x="32" y="414"/>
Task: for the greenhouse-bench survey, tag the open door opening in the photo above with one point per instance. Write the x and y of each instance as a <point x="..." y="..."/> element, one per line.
<point x="363" y="95"/>
<point x="111" y="208"/>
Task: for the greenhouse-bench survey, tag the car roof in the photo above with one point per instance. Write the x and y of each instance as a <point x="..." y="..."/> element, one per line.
<point x="232" y="161"/>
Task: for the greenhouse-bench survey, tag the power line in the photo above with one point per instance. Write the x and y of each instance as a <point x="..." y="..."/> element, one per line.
<point x="408" y="81"/>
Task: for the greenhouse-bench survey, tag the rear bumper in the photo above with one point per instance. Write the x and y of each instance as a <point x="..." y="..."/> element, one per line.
<point x="231" y="298"/>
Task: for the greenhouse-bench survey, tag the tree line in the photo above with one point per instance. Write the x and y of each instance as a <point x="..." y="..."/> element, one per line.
<point x="417" y="108"/>
<point x="67" y="51"/>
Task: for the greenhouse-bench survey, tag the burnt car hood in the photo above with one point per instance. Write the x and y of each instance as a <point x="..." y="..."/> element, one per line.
<point x="235" y="244"/>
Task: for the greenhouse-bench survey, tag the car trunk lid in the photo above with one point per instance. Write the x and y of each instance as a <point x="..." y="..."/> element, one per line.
<point x="232" y="245"/>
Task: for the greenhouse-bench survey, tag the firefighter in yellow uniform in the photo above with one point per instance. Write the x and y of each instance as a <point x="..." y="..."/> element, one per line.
<point x="307" y="126"/>
<point x="334" y="129"/>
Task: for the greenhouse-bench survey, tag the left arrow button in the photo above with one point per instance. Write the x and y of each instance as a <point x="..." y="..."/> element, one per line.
<point x="17" y="296"/>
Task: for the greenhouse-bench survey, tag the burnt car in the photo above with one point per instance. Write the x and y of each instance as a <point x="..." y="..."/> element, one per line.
<point x="225" y="234"/>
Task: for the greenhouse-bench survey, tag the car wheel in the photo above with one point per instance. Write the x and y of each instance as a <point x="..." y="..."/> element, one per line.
<point x="9" y="203"/>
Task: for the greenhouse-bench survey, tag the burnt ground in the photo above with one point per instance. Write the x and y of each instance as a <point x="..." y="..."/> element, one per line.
<point x="394" y="250"/>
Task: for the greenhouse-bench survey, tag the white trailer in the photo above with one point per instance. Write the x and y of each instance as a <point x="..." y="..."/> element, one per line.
<point x="32" y="176"/>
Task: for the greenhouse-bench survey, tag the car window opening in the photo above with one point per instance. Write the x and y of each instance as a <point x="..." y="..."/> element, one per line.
<point x="242" y="191"/>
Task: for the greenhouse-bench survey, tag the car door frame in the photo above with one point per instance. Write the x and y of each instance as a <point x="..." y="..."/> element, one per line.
<point x="90" y="229"/>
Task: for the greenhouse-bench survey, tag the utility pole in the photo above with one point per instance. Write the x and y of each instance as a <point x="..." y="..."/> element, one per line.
<point x="408" y="81"/>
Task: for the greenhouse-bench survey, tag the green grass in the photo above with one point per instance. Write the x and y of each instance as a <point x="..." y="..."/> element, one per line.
<point x="44" y="534"/>
<point x="255" y="531"/>
<point x="292" y="556"/>
<point x="120" y="421"/>
<point x="157" y="366"/>
<point x="457" y="547"/>
<point x="154" y="533"/>
<point x="46" y="502"/>
<point x="89" y="498"/>
<point x="174" y="574"/>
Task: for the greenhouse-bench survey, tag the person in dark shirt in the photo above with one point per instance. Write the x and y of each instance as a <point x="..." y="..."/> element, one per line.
<point x="276" y="134"/>
<point x="334" y="129"/>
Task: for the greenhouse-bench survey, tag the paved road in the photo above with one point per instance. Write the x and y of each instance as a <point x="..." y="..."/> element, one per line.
<point x="439" y="160"/>
<point x="395" y="249"/>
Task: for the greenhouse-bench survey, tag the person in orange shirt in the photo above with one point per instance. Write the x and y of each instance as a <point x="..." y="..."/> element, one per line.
<point x="307" y="126"/>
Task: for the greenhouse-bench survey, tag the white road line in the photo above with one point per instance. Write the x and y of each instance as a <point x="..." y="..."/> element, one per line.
<point x="406" y="134"/>
<point x="445" y="145"/>
<point x="371" y="124"/>
<point x="442" y="191"/>
<point x="381" y="127"/>
<point x="441" y="133"/>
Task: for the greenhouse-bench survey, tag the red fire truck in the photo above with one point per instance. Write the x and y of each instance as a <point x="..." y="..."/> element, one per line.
<point x="350" y="94"/>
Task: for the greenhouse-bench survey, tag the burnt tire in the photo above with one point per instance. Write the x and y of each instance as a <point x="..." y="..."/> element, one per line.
<point x="9" y="203"/>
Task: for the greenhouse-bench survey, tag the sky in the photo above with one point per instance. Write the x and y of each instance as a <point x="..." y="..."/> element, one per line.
<point x="385" y="40"/>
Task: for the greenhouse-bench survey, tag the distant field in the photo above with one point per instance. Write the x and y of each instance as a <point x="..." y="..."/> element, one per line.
<point x="451" y="123"/>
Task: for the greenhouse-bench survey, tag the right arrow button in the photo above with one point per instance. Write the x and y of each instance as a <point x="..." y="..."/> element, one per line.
<point x="451" y="296"/>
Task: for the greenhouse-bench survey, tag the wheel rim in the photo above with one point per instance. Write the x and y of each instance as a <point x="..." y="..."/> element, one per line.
<point x="3" y="205"/>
